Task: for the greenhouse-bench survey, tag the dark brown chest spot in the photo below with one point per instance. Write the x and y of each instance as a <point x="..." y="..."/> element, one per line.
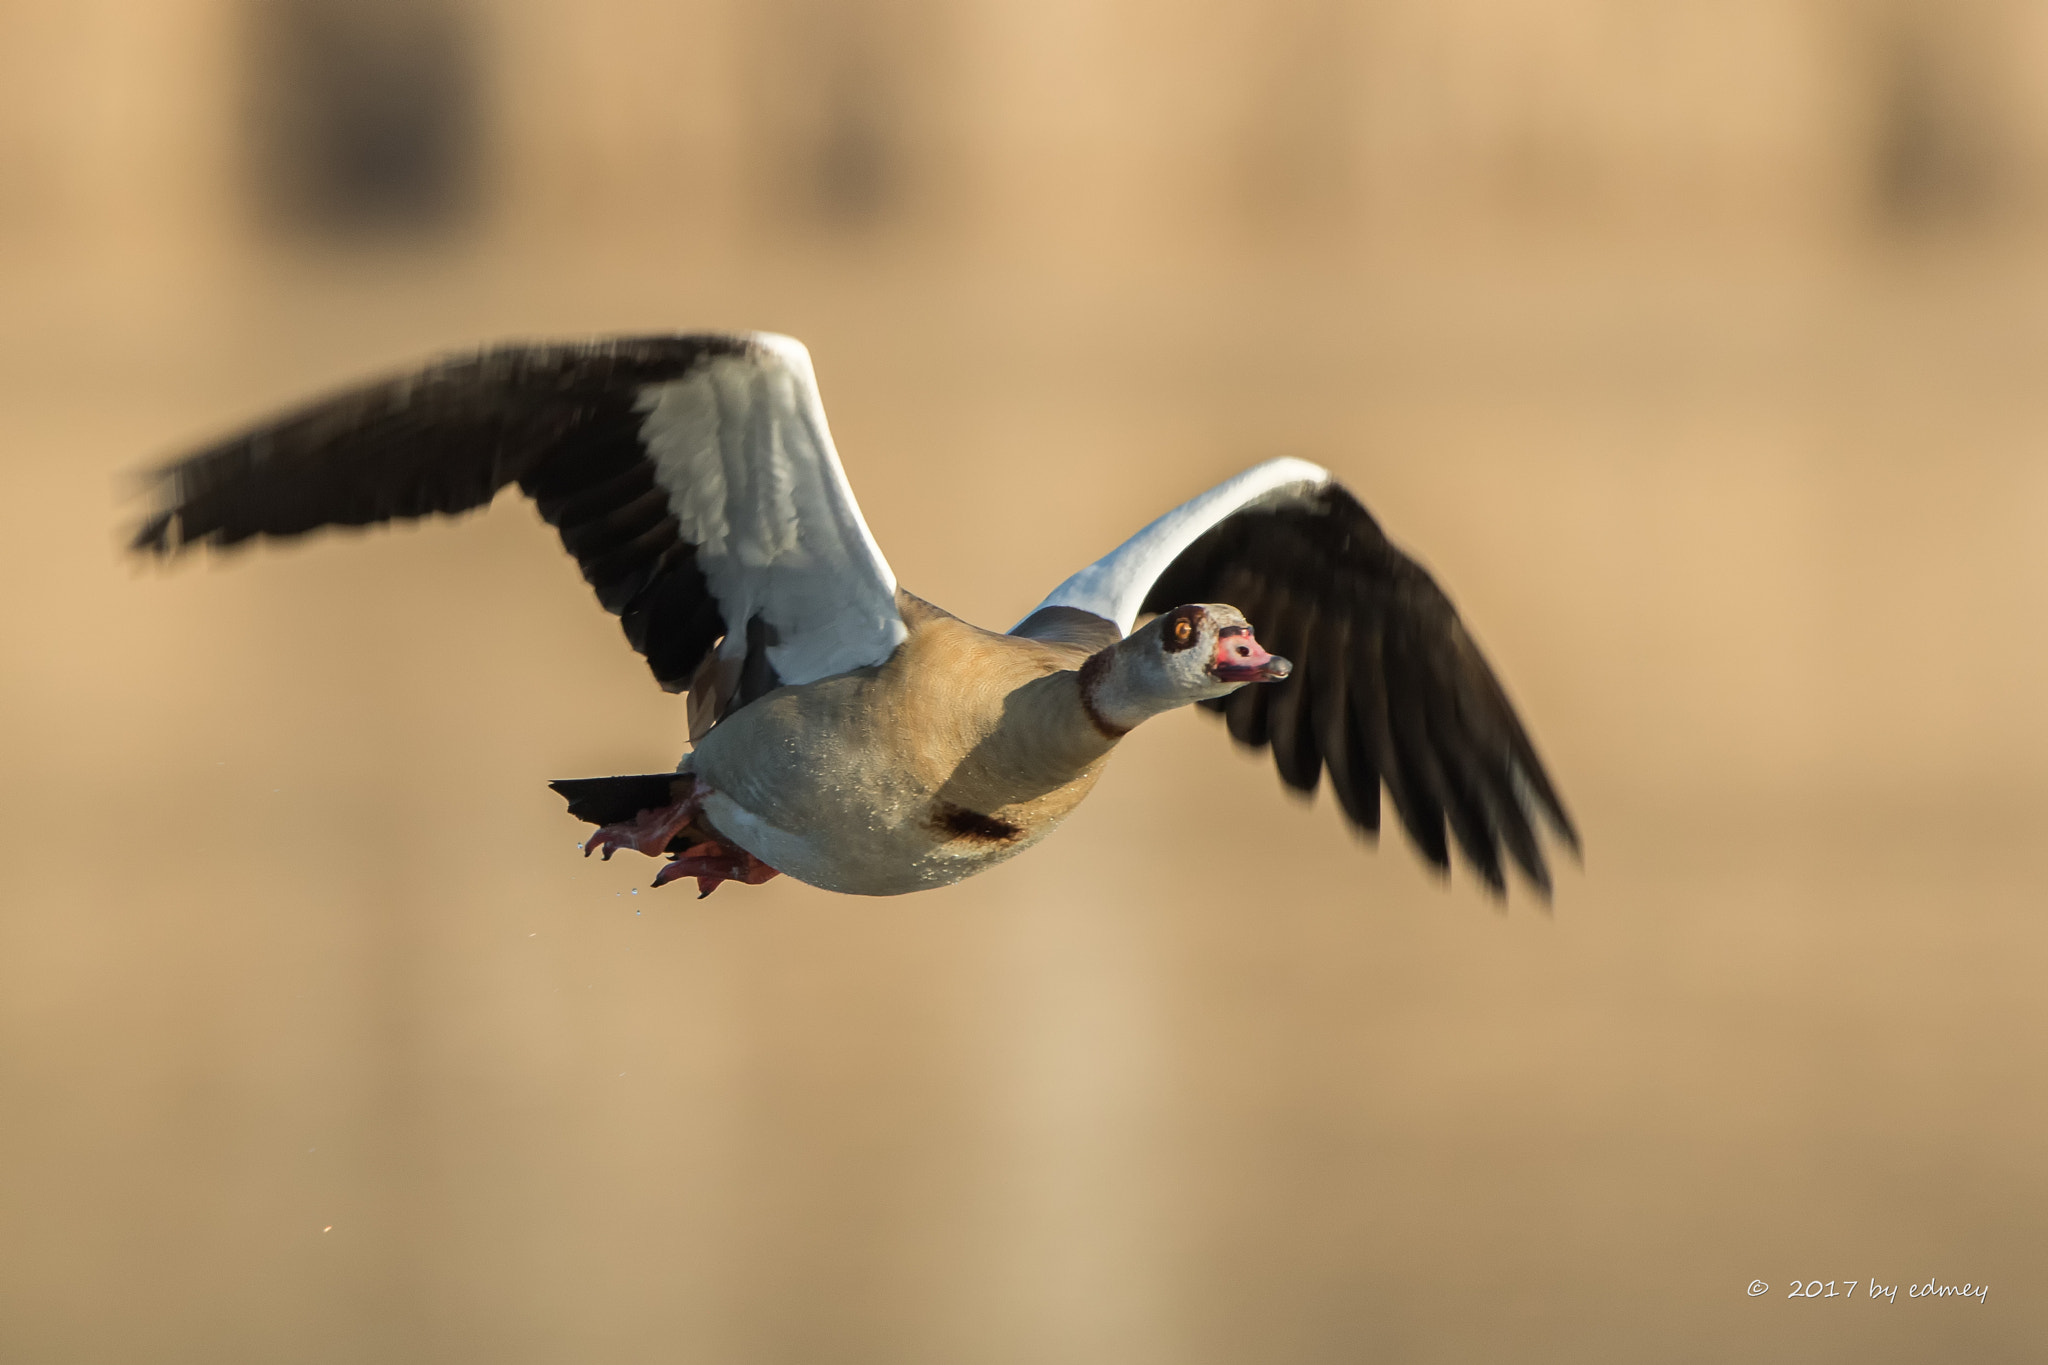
<point x="958" y="822"/>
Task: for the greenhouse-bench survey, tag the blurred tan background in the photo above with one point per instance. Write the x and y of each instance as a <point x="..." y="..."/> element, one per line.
<point x="1697" y="345"/>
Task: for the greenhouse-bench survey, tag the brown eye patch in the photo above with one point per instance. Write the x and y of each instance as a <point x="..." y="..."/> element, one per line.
<point x="1181" y="629"/>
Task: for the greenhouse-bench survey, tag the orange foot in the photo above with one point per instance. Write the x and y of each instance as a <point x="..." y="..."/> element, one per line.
<point x="714" y="864"/>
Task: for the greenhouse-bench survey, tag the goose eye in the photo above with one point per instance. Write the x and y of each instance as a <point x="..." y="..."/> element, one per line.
<point x="1183" y="631"/>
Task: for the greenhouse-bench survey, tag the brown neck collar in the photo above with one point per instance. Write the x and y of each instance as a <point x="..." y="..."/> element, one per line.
<point x="1092" y="673"/>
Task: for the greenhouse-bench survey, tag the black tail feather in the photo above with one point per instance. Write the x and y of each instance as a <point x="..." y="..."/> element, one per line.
<point x="611" y="800"/>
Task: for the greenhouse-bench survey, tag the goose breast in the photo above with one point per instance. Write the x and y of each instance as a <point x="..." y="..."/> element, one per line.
<point x="944" y="760"/>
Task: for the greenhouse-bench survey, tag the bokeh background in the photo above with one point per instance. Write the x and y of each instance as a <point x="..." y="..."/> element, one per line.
<point x="1697" y="345"/>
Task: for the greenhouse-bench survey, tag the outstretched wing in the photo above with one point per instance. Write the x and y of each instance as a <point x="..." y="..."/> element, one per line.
<point x="1387" y="687"/>
<point x="692" y="477"/>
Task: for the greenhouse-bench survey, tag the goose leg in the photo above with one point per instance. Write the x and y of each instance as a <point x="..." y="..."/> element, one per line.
<point x="647" y="832"/>
<point x="714" y="864"/>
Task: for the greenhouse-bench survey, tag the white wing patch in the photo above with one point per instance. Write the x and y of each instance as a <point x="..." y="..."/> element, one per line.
<point x="741" y="446"/>
<point x="1114" y="586"/>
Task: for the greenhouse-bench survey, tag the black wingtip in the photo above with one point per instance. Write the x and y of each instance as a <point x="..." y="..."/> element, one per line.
<point x="1534" y="788"/>
<point x="164" y="491"/>
<point x="1552" y="806"/>
<point x="1566" y="832"/>
<point x="158" y="537"/>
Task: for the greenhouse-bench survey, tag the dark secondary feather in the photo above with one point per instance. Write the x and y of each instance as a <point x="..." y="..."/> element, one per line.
<point x="1387" y="685"/>
<point x="559" y="421"/>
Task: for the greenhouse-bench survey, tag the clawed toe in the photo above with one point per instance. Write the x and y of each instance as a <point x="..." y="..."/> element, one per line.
<point x="713" y="865"/>
<point x="648" y="832"/>
<point x="653" y="830"/>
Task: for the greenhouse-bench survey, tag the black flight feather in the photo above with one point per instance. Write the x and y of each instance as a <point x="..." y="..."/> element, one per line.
<point x="563" y="422"/>
<point x="1387" y="688"/>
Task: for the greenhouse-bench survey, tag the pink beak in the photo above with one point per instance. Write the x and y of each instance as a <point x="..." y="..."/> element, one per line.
<point x="1239" y="658"/>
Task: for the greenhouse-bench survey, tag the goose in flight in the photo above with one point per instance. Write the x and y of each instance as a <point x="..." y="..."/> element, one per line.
<point x="850" y="734"/>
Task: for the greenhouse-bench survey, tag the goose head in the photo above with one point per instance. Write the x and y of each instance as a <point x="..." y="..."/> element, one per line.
<point x="1192" y="653"/>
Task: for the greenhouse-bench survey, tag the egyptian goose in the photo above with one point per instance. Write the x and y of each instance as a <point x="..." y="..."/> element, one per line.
<point x="848" y="733"/>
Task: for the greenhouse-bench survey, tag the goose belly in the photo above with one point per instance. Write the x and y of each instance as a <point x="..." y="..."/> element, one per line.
<point x="865" y="853"/>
